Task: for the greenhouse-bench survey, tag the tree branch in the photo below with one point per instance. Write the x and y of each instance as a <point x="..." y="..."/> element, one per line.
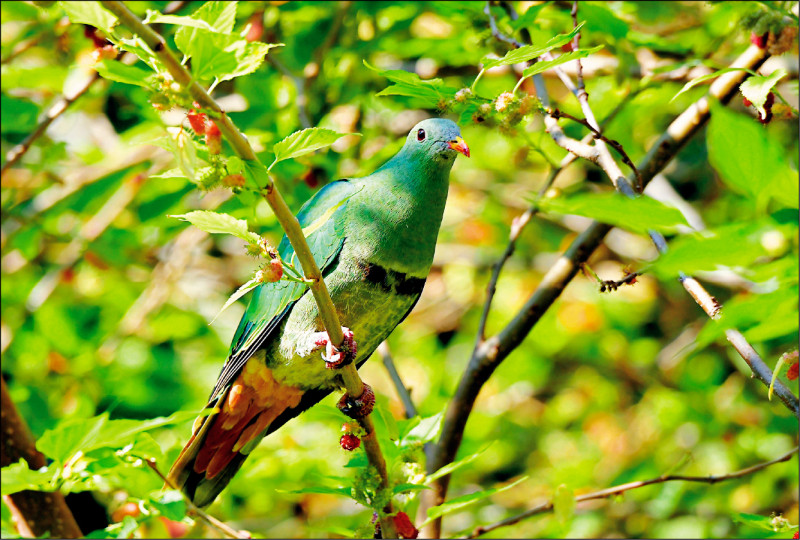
<point x="622" y="488"/>
<point x="35" y="513"/>
<point x="402" y="390"/>
<point x="352" y="382"/>
<point x="495" y="349"/>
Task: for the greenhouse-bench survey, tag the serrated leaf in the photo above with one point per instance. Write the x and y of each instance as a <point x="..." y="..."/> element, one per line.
<point x="564" y="504"/>
<point x="754" y="520"/>
<point x="529" y="52"/>
<point x="219" y="223"/>
<point x="18" y="477"/>
<point x="183" y="20"/>
<point x="410" y="84"/>
<point x="757" y="87"/>
<point x="465" y="500"/>
<point x="637" y="215"/>
<point x="748" y="159"/>
<point x="304" y="142"/>
<point x="249" y="59"/>
<point x="91" y="13"/>
<point x="241" y="291"/>
<point x="544" y="65"/>
<point x="703" y="78"/>
<point x="119" y="72"/>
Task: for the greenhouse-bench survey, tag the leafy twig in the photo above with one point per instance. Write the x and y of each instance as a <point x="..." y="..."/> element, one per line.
<point x="352" y="382"/>
<point x="194" y="509"/>
<point x="617" y="490"/>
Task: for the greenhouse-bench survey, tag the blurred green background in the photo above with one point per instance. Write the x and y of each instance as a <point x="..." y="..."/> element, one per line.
<point x="106" y="301"/>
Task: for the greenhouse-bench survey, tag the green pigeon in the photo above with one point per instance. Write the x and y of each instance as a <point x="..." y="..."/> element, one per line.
<point x="373" y="239"/>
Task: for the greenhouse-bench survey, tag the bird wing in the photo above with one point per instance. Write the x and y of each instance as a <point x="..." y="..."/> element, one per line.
<point x="322" y="220"/>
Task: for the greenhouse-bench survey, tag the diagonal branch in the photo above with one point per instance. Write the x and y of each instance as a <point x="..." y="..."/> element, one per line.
<point x="618" y="490"/>
<point x="495" y="349"/>
<point x="352" y="381"/>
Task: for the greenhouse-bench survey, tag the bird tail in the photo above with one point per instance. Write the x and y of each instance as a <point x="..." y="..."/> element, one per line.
<point x="221" y="441"/>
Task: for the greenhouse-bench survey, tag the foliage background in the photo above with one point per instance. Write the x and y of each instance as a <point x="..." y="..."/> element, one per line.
<point x="608" y="388"/>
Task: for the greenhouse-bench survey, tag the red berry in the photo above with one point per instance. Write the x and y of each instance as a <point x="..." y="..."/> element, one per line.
<point x="792" y="373"/>
<point x="796" y="534"/>
<point x="770" y="100"/>
<point x="746" y="102"/>
<point x="197" y="121"/>
<point x="759" y="41"/>
<point x="271" y="272"/>
<point x="213" y="138"/>
<point x="234" y="180"/>
<point x="567" y="47"/>
<point x="404" y="526"/>
<point x="127" y="509"/>
<point x="349" y="442"/>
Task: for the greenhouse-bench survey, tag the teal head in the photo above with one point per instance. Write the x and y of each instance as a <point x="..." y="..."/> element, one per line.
<point x="436" y="140"/>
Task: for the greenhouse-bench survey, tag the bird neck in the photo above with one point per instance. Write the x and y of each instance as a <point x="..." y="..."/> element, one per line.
<point x="401" y="209"/>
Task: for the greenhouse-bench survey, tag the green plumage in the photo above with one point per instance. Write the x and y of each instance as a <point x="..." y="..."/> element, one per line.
<point x="375" y="250"/>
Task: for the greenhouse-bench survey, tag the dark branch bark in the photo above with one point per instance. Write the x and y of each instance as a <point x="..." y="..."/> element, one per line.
<point x="35" y="513"/>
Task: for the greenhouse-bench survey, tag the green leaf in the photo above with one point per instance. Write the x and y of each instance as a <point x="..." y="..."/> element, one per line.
<point x="89" y="13"/>
<point x="703" y="78"/>
<point x="403" y="488"/>
<point x="170" y="503"/>
<point x="219" y="223"/>
<point x="19" y="115"/>
<point x="18" y="477"/>
<point x="450" y="467"/>
<point x="707" y="250"/>
<point x="544" y="65"/>
<point x="757" y="87"/>
<point x="428" y="429"/>
<point x="410" y="84"/>
<point x="241" y="291"/>
<point x="322" y="490"/>
<point x="754" y="520"/>
<point x="119" y="72"/>
<point x="529" y="52"/>
<point x="465" y="500"/>
<point x="183" y="20"/>
<point x="129" y="526"/>
<point x="249" y="59"/>
<point x="748" y="159"/>
<point x="304" y="142"/>
<point x="564" y="504"/>
<point x="85" y="434"/>
<point x="529" y="17"/>
<point x="637" y="215"/>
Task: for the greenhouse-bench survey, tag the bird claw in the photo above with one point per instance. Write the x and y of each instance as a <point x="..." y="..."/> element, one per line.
<point x="358" y="407"/>
<point x="337" y="357"/>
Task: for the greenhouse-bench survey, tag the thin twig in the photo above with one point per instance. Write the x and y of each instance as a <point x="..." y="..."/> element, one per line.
<point x="328" y="314"/>
<point x="21" y="47"/>
<point x="402" y="391"/>
<point x="194" y="509"/>
<point x="56" y="110"/>
<point x="617" y="490"/>
<point x="575" y="46"/>
<point x="496" y="32"/>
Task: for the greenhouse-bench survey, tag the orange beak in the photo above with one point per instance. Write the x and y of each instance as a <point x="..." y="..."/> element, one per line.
<point x="459" y="146"/>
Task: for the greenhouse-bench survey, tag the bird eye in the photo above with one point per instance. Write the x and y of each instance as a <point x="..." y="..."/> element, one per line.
<point x="421" y="135"/>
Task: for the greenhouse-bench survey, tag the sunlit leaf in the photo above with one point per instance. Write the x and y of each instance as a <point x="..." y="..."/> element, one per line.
<point x="219" y="223"/>
<point x="458" y="503"/>
<point x="529" y="52"/>
<point x="304" y="142"/>
<point x="758" y="87"/>
<point x="544" y="65"/>
<point x="637" y="215"/>
<point x="91" y="13"/>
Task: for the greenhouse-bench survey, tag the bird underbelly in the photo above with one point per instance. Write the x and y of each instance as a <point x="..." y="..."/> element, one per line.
<point x="370" y="300"/>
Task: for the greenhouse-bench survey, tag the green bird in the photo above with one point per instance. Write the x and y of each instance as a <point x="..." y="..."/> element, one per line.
<point x="373" y="239"/>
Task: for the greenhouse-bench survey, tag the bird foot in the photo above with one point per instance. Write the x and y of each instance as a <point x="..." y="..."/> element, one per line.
<point x="358" y="407"/>
<point x="336" y="357"/>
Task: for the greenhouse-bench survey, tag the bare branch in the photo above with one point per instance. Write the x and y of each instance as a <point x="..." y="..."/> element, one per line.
<point x="617" y="490"/>
<point x="402" y="390"/>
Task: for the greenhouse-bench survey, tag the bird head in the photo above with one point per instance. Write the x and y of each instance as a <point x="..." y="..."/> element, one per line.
<point x="437" y="138"/>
